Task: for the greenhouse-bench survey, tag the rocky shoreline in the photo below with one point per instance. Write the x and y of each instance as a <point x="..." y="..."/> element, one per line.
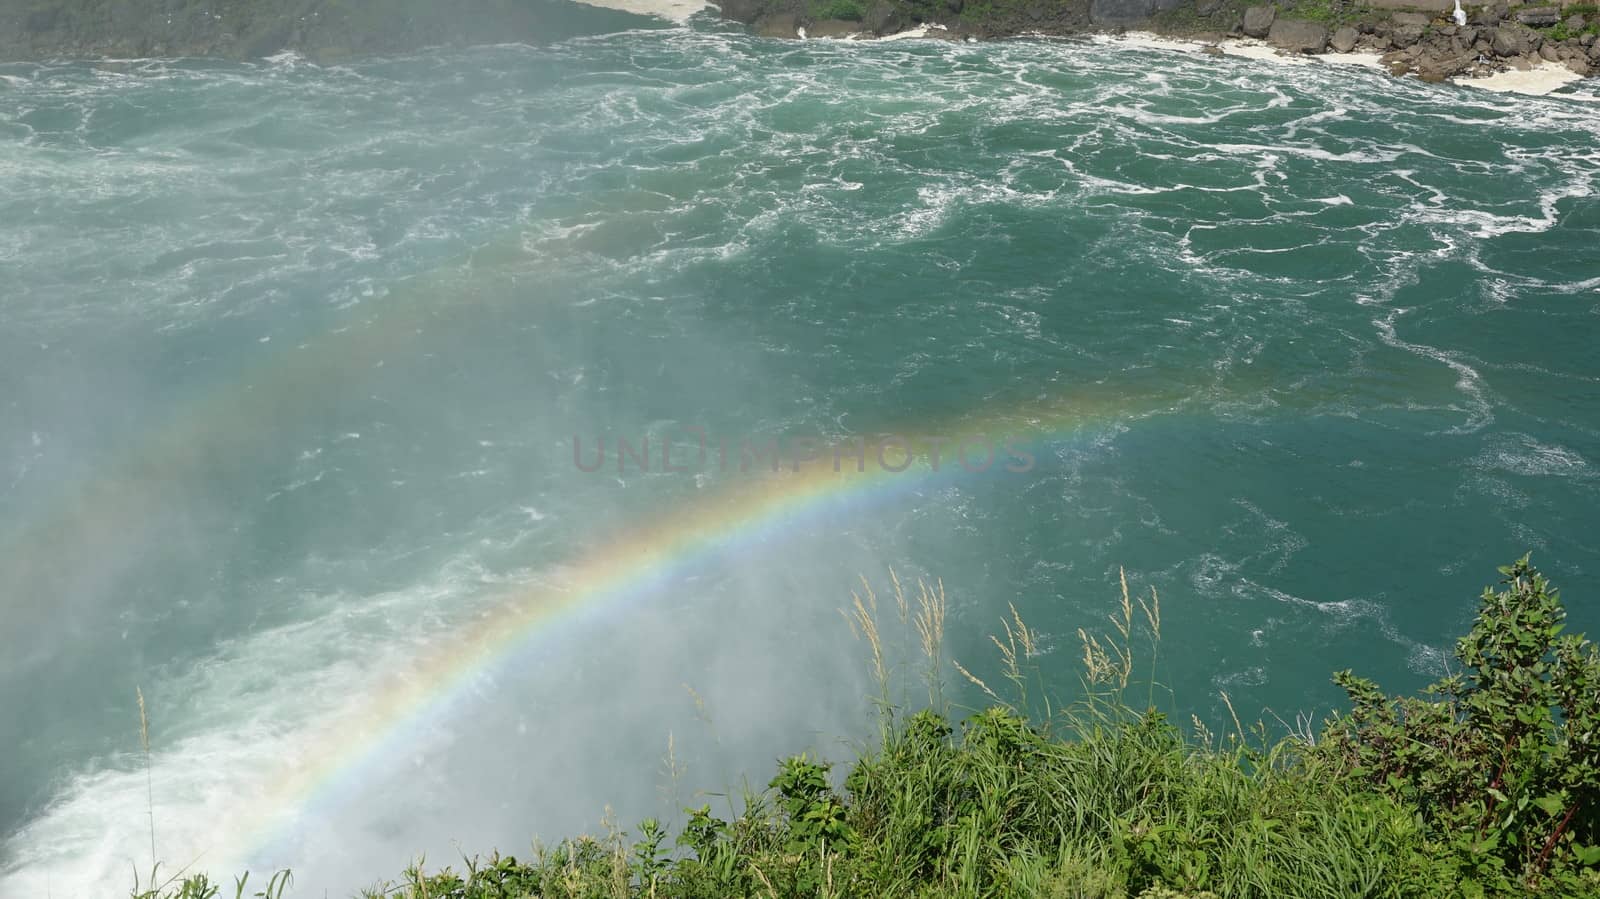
<point x="1417" y="37"/>
<point x="1413" y="37"/>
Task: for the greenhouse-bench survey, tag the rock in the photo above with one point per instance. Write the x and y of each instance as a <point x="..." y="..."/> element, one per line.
<point x="1438" y="67"/>
<point x="1548" y="52"/>
<point x="1258" y="20"/>
<point x="1298" y="36"/>
<point x="1468" y="36"/>
<point x="1207" y="7"/>
<point x="1490" y="15"/>
<point x="1108" y="13"/>
<point x="781" y="24"/>
<point x="1344" y="40"/>
<point x="1575" y="23"/>
<point x="1539" y="16"/>
<point x="1509" y="40"/>
<point x="1406" y="35"/>
<point x="1580" y="66"/>
<point x="1212" y="50"/>
<point x="1594" y="51"/>
<point x="1410" y="18"/>
<point x="885" y="17"/>
<point x="832" y="28"/>
<point x="746" y="11"/>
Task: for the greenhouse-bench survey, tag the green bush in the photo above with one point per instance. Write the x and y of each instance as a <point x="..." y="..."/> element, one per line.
<point x="849" y="10"/>
<point x="1503" y="759"/>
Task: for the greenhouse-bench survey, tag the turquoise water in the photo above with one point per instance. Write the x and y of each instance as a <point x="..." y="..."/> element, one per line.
<point x="293" y="358"/>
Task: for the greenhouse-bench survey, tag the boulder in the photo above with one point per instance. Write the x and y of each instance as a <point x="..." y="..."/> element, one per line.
<point x="832" y="28"/>
<point x="1444" y="65"/>
<point x="1539" y="16"/>
<point x="1509" y="40"/>
<point x="1594" y="51"/>
<point x="1258" y="20"/>
<point x="746" y="11"/>
<point x="783" y="24"/>
<point x="1207" y="7"/>
<point x="1406" y="35"/>
<point x="1575" y="23"/>
<point x="1410" y="18"/>
<point x="1490" y="15"/>
<point x="1548" y="52"/>
<point x="1344" y="40"/>
<point x="1110" y="13"/>
<point x="1580" y="66"/>
<point x="885" y="17"/>
<point x="1298" y="36"/>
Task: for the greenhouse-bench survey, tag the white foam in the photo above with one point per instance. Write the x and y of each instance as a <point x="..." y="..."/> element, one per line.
<point x="1523" y="455"/>
<point x="672" y="10"/>
<point x="1538" y="81"/>
<point x="919" y="31"/>
<point x="1243" y="47"/>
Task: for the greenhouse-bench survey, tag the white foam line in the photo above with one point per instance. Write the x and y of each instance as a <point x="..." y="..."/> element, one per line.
<point x="1243" y="47"/>
<point x="677" y="11"/>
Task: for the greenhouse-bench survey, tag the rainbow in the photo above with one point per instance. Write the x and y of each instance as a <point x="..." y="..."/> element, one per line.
<point x="221" y="423"/>
<point x="743" y="513"/>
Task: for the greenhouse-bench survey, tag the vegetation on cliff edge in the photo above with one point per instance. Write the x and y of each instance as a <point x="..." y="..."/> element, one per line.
<point x="1486" y="785"/>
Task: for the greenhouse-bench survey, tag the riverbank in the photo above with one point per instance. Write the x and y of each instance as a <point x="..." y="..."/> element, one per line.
<point x="1529" y="49"/>
<point x="1539" y="80"/>
<point x="1519" y="47"/>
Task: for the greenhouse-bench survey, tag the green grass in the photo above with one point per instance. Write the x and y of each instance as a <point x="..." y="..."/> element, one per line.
<point x="1560" y="32"/>
<point x="1488" y="785"/>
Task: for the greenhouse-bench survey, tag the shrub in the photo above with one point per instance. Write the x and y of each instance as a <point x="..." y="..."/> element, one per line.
<point x="1503" y="759"/>
<point x="849" y="10"/>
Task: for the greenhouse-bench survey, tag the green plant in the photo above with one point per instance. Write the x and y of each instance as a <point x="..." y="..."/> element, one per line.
<point x="1327" y="12"/>
<point x="1503" y="759"/>
<point x="848" y="10"/>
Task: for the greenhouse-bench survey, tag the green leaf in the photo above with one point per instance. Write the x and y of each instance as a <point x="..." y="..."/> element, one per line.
<point x="1552" y="805"/>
